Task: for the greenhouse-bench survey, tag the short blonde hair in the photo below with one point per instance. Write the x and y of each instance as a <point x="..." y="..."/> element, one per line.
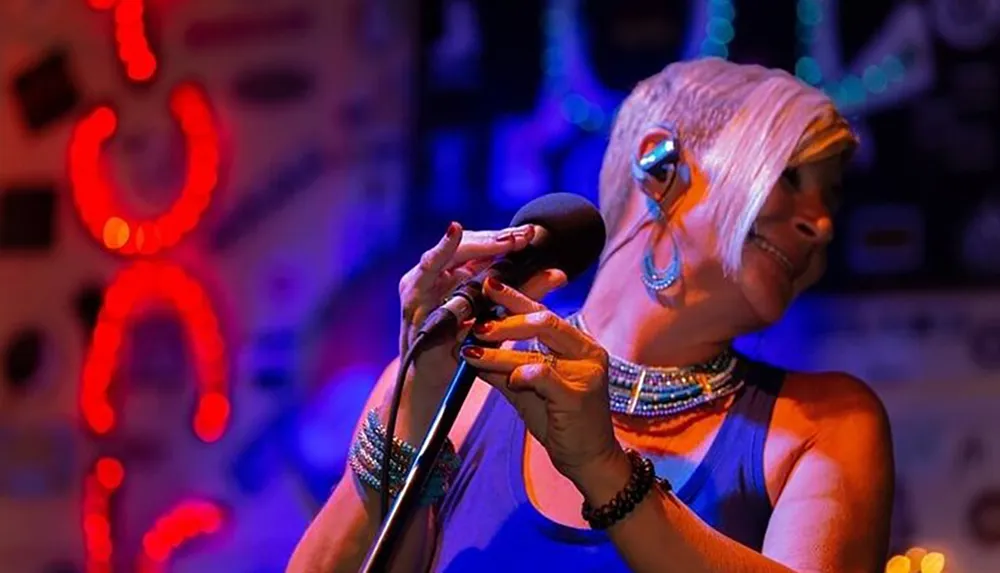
<point x="743" y="125"/>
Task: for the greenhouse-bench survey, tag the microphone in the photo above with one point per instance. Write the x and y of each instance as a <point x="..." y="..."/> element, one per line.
<point x="571" y="239"/>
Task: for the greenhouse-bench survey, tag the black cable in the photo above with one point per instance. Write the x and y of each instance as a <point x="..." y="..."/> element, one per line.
<point x="390" y="425"/>
<point x="632" y="232"/>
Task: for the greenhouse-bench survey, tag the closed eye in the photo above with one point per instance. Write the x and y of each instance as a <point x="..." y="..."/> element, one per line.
<point x="792" y="176"/>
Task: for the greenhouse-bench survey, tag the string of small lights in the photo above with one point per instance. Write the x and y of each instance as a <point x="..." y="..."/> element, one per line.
<point x="849" y="90"/>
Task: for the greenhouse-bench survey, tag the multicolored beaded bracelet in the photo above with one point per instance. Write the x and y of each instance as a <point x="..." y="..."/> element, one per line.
<point x="366" y="456"/>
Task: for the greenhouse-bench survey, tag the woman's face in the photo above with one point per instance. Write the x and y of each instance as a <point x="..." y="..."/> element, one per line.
<point x="786" y="251"/>
<point x="784" y="254"/>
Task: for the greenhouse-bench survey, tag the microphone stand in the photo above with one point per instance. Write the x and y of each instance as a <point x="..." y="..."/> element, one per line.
<point x="408" y="499"/>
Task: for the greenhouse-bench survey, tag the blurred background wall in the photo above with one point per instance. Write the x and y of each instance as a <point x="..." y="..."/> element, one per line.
<point x="205" y="208"/>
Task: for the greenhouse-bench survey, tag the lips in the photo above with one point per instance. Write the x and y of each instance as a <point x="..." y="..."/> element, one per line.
<point x="774" y="252"/>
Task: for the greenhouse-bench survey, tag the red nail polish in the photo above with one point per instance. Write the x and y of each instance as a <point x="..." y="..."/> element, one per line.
<point x="473" y="352"/>
<point x="452" y="229"/>
<point x="484" y="328"/>
<point x="493" y="284"/>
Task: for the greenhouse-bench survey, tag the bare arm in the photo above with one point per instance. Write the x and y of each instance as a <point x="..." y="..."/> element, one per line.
<point x="339" y="537"/>
<point x="832" y="516"/>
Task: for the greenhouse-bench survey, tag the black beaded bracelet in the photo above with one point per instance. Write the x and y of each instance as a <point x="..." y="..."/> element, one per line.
<point x="639" y="483"/>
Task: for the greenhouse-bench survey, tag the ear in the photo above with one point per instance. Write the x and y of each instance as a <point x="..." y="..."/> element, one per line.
<point x="658" y="166"/>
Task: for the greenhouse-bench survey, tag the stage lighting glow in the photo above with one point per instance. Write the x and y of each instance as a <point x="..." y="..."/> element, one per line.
<point x="141" y="285"/>
<point x="876" y="73"/>
<point x="134" y="288"/>
<point x="93" y="193"/>
<point x="719" y="30"/>
<point x="933" y="562"/>
<point x="130" y="37"/>
<point x="100" y="484"/>
<point x="898" y="564"/>
<point x="915" y="555"/>
<point x="189" y="519"/>
<point x="808" y="70"/>
<point x="875" y="79"/>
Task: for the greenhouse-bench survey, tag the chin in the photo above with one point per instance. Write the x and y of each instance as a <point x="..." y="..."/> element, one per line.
<point x="767" y="300"/>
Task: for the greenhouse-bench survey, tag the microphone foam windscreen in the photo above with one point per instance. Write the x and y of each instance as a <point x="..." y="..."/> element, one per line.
<point x="576" y="231"/>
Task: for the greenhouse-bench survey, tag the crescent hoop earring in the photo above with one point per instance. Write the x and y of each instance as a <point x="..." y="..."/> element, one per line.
<point x="662" y="163"/>
<point x="657" y="280"/>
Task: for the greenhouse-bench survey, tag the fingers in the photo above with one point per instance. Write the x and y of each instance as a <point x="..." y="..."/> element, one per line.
<point x="540" y="285"/>
<point x="433" y="261"/>
<point x="522" y="370"/>
<point x="530" y="319"/>
<point x="540" y="379"/>
<point x="489" y="244"/>
<point x="554" y="332"/>
<point x="469" y="270"/>
<point x="510" y="298"/>
<point x="499" y="360"/>
<point x="456" y="248"/>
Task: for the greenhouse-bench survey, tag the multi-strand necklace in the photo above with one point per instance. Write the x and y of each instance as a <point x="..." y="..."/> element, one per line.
<point x="646" y="391"/>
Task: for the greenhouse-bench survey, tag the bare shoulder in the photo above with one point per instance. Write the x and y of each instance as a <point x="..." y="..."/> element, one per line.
<point x="833" y="416"/>
<point x="827" y="402"/>
<point x="835" y="471"/>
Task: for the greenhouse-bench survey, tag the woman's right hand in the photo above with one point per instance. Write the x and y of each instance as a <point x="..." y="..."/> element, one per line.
<point x="458" y="256"/>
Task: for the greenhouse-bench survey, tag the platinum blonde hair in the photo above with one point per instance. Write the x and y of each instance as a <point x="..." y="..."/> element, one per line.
<point x="742" y="124"/>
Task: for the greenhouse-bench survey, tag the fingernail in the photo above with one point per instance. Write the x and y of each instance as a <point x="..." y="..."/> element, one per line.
<point x="452" y="229"/>
<point x="493" y="284"/>
<point x="473" y="352"/>
<point x="484" y="328"/>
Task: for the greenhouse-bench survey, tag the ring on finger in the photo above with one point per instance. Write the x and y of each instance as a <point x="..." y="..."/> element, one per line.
<point x="549" y="360"/>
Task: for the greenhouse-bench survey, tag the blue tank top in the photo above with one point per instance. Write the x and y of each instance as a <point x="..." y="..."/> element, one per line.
<point x="487" y="523"/>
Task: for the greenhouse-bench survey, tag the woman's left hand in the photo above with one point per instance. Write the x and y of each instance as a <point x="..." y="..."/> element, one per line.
<point x="563" y="396"/>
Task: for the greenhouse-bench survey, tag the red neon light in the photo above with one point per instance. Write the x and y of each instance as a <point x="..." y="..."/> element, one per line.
<point x="93" y="194"/>
<point x="188" y="520"/>
<point x="133" y="45"/>
<point x="141" y="283"/>
<point x="130" y="36"/>
<point x="99" y="485"/>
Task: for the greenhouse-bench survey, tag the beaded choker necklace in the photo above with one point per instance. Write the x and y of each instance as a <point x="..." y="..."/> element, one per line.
<point x="646" y="391"/>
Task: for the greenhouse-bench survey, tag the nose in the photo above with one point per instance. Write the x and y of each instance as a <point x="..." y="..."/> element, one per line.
<point x="815" y="227"/>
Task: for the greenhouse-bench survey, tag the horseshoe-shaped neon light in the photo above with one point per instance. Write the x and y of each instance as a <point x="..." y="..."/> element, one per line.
<point x="93" y="194"/>
<point x="136" y="286"/>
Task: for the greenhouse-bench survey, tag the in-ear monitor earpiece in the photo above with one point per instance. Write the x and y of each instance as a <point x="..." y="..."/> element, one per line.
<point x="662" y="160"/>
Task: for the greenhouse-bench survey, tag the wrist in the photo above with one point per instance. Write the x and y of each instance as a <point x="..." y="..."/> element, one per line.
<point x="382" y="463"/>
<point x="605" y="476"/>
<point x="416" y="412"/>
<point x="641" y="481"/>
